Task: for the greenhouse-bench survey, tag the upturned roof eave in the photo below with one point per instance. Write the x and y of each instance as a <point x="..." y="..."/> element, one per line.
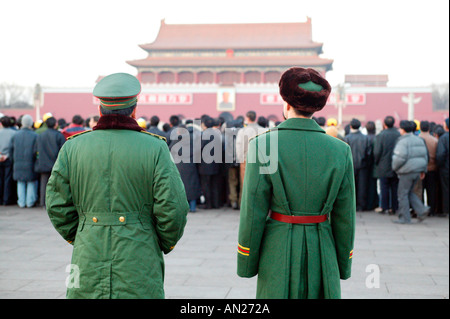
<point x="145" y="63"/>
<point x="149" y="47"/>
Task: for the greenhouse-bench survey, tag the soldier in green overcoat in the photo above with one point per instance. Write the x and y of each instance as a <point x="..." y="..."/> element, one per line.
<point x="297" y="222"/>
<point x="117" y="197"/>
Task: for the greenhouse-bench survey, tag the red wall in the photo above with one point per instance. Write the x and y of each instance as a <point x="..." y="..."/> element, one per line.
<point x="66" y="105"/>
<point x="376" y="107"/>
<point x="379" y="105"/>
<point x="203" y="103"/>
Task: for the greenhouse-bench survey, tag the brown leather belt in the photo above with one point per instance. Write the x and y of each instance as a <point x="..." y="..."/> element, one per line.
<point x="298" y="219"/>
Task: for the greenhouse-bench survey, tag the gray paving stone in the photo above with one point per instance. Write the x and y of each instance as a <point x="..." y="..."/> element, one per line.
<point x="409" y="289"/>
<point x="242" y="293"/>
<point x="413" y="260"/>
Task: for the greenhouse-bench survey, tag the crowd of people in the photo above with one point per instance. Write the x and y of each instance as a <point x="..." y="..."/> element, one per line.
<point x="410" y="163"/>
<point x="397" y="170"/>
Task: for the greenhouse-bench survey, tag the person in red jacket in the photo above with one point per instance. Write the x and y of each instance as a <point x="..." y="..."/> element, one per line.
<point x="75" y="127"/>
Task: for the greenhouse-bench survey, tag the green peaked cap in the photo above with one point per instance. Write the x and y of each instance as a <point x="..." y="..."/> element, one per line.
<point x="117" y="91"/>
<point x="311" y="86"/>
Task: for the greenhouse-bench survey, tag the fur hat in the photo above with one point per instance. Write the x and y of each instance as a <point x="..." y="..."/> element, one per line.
<point x="304" y="89"/>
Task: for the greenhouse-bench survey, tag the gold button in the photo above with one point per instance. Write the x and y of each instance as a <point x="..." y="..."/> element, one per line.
<point x="94" y="219"/>
<point x="121" y="219"/>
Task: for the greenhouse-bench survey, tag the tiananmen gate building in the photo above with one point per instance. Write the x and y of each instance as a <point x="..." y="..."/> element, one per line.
<point x="196" y="69"/>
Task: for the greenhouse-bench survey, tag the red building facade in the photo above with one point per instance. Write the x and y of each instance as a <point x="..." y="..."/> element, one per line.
<point x="199" y="69"/>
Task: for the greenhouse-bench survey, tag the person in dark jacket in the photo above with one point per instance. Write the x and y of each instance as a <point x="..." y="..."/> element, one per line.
<point x="209" y="167"/>
<point x="174" y="121"/>
<point x="359" y="144"/>
<point x="6" y="174"/>
<point x="186" y="161"/>
<point x="442" y="160"/>
<point x="372" y="192"/>
<point x="23" y="158"/>
<point x="382" y="151"/>
<point x="47" y="148"/>
<point x="153" y="128"/>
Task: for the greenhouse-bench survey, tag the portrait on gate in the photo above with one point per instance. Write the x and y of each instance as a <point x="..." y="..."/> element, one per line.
<point x="226" y="99"/>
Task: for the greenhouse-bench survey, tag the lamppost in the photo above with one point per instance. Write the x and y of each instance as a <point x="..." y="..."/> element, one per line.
<point x="37" y="101"/>
<point x="340" y="101"/>
<point x="411" y="101"/>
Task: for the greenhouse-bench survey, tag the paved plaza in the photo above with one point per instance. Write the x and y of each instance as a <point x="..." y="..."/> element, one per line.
<point x="390" y="261"/>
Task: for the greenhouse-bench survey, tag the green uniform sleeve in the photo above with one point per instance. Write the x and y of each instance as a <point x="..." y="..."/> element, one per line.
<point x="343" y="220"/>
<point x="59" y="202"/>
<point x="170" y="203"/>
<point x="255" y="204"/>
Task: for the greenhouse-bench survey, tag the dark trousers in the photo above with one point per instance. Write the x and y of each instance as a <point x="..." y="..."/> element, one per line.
<point x="389" y="188"/>
<point x="429" y="185"/>
<point x="444" y="191"/>
<point x="211" y="190"/>
<point x="42" y="187"/>
<point x="372" y="193"/>
<point x="361" y="180"/>
<point x="6" y="182"/>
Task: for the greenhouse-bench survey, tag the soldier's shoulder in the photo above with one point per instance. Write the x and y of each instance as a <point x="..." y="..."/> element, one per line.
<point x="78" y="134"/>
<point x="262" y="134"/>
<point x="155" y="135"/>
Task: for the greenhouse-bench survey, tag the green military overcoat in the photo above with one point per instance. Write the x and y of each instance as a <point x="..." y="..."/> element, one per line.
<point x="117" y="196"/>
<point x="297" y="169"/>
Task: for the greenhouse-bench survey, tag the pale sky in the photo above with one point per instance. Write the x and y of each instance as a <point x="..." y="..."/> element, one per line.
<point x="62" y="43"/>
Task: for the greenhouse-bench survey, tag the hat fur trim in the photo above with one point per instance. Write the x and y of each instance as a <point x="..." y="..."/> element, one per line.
<point x="299" y="98"/>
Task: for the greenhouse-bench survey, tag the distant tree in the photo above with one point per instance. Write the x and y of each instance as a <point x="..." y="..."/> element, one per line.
<point x="13" y="96"/>
<point x="440" y="96"/>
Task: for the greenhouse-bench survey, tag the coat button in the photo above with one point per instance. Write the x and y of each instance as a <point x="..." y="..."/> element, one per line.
<point x="121" y="219"/>
<point x="94" y="219"/>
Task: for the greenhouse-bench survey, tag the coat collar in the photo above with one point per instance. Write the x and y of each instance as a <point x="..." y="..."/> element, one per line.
<point x="300" y="124"/>
<point x="117" y="122"/>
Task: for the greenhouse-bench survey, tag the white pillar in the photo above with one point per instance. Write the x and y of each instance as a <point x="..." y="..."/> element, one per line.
<point x="411" y="101"/>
